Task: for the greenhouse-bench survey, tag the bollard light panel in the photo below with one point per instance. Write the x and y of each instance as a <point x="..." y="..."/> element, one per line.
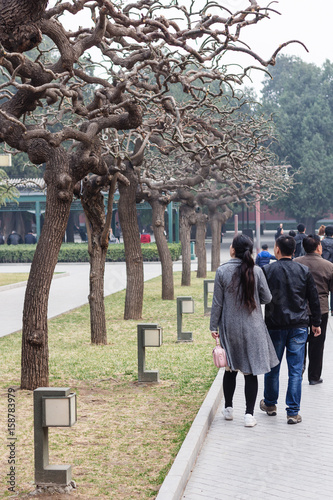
<point x="187" y="306"/>
<point x="59" y="412"/>
<point x="5" y="160"/>
<point x="152" y="337"/>
<point x="210" y="287"/>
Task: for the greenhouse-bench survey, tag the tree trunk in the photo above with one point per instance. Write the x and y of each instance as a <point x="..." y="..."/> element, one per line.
<point x="96" y="292"/>
<point x="216" y="225"/>
<point x="133" y="255"/>
<point x="93" y="205"/>
<point x="34" y="362"/>
<point x="310" y="224"/>
<point x="163" y="249"/>
<point x="200" y="245"/>
<point x="186" y="220"/>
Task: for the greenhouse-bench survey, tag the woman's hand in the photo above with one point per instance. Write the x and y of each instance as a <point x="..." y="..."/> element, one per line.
<point x="214" y="335"/>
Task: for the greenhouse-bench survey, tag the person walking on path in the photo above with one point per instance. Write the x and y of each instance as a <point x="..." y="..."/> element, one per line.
<point x="293" y="288"/>
<point x="327" y="244"/>
<point x="264" y="256"/>
<point x="240" y="287"/>
<point x="327" y="254"/>
<point x="322" y="272"/>
<point x="299" y="250"/>
<point x="279" y="231"/>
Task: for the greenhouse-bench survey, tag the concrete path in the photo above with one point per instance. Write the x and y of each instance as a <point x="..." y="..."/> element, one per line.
<point x="67" y="292"/>
<point x="272" y="460"/>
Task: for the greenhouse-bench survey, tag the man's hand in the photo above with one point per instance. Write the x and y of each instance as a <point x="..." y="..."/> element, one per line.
<point x="316" y="330"/>
<point x="214" y="335"/>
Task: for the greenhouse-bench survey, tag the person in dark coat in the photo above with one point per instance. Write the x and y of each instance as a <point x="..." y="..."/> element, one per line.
<point x="327" y="244"/>
<point x="279" y="231"/>
<point x="30" y="239"/>
<point x="240" y="287"/>
<point x="287" y="319"/>
<point x="299" y="250"/>
<point x="14" y="239"/>
<point x="322" y="272"/>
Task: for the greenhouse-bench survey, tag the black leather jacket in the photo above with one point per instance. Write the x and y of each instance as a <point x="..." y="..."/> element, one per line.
<point x="292" y="288"/>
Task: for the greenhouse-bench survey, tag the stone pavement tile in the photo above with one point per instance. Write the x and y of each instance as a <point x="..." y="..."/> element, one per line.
<point x="273" y="459"/>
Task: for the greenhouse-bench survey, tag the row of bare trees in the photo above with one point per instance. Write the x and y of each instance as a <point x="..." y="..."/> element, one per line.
<point x="158" y="87"/>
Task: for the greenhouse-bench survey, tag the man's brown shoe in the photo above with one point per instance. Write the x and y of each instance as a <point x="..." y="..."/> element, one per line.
<point x="270" y="410"/>
<point x="294" y="419"/>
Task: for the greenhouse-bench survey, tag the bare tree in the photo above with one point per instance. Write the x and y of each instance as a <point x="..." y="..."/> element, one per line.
<point x="58" y="109"/>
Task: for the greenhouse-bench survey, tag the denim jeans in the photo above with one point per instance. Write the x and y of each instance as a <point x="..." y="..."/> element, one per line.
<point x="293" y="340"/>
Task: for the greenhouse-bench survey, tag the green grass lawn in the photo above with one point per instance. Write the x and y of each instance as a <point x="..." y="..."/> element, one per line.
<point x="127" y="434"/>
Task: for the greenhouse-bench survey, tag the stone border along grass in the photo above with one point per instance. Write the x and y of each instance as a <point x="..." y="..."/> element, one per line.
<point x="128" y="434"/>
<point x="176" y="480"/>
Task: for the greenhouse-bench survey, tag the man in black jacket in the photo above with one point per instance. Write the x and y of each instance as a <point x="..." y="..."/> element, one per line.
<point x="293" y="288"/>
<point x="327" y="244"/>
<point x="299" y="250"/>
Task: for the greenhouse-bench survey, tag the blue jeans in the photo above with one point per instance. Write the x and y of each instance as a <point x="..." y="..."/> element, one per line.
<point x="293" y="340"/>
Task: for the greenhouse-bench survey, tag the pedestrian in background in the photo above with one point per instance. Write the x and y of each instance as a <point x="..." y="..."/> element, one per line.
<point x="299" y="250"/>
<point x="287" y="319"/>
<point x="327" y="244"/>
<point x="279" y="231"/>
<point x="30" y="238"/>
<point x="264" y="256"/>
<point x="14" y="238"/>
<point x="240" y="287"/>
<point x="321" y="232"/>
<point x="322" y="272"/>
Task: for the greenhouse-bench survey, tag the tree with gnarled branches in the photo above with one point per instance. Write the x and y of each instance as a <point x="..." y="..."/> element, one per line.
<point x="145" y="52"/>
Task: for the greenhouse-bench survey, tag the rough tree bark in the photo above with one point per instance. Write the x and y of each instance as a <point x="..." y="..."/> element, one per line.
<point x="158" y="208"/>
<point x="35" y="333"/>
<point x="216" y="220"/>
<point x="216" y="226"/>
<point x="200" y="244"/>
<point x="187" y="218"/>
<point x="19" y="27"/>
<point x="133" y="255"/>
<point x="98" y="241"/>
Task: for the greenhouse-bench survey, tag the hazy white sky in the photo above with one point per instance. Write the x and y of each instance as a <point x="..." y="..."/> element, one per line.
<point x="306" y="20"/>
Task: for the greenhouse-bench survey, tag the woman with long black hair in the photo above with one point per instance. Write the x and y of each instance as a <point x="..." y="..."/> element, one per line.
<point x="236" y="317"/>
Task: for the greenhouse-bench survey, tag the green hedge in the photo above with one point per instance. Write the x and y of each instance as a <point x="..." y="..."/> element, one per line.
<point x="78" y="252"/>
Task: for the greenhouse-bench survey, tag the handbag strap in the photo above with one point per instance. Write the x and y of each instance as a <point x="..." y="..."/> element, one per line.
<point x="217" y="341"/>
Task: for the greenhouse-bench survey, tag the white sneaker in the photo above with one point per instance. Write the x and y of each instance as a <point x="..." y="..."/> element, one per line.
<point x="249" y="420"/>
<point x="228" y="413"/>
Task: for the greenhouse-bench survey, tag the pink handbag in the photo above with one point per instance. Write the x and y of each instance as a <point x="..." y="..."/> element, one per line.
<point x="219" y="355"/>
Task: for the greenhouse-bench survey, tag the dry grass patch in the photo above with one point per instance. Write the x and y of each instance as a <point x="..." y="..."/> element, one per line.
<point x="127" y="434"/>
<point x="10" y="278"/>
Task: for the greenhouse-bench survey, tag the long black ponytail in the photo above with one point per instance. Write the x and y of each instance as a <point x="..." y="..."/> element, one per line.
<point x="244" y="275"/>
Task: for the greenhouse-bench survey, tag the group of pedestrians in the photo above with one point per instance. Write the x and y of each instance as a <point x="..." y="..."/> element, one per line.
<point x="295" y="293"/>
<point x="16" y="239"/>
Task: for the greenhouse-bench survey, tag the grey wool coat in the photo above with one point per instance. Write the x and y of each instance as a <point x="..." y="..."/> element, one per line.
<point x="243" y="335"/>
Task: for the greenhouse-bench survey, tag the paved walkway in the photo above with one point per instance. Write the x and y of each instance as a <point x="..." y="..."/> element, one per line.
<point x="272" y="460"/>
<point x="67" y="292"/>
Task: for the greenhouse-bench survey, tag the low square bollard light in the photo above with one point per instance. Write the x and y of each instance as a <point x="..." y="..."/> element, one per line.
<point x="149" y="335"/>
<point x="185" y="305"/>
<point x="208" y="288"/>
<point x="59" y="412"/>
<point x="53" y="407"/>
